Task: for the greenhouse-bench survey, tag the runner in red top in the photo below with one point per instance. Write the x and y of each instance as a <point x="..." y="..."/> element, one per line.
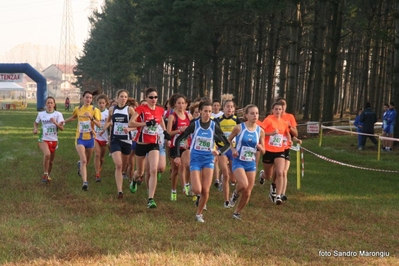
<point x="146" y="119"/>
<point x="179" y="120"/>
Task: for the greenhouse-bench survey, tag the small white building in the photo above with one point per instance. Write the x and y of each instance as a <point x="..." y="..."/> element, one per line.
<point x="59" y="81"/>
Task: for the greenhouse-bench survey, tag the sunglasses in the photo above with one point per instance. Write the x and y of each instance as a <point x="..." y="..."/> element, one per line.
<point x="153" y="97"/>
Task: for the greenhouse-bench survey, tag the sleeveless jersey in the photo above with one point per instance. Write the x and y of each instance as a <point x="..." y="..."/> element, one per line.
<point x="227" y="124"/>
<point x="147" y="134"/>
<point x="246" y="143"/>
<point x="177" y="124"/>
<point x="104" y="117"/>
<point x="120" y="120"/>
<point x="202" y="142"/>
<point x="48" y="131"/>
<point x="85" y="127"/>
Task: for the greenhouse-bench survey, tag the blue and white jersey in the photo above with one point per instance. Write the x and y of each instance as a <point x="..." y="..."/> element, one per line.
<point x="202" y="139"/>
<point x="120" y="120"/>
<point x="246" y="143"/>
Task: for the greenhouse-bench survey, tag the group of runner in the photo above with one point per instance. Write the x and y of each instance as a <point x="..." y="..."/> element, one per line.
<point x="195" y="141"/>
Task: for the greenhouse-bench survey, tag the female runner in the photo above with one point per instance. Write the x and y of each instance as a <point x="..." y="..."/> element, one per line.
<point x="206" y="132"/>
<point x="52" y="121"/>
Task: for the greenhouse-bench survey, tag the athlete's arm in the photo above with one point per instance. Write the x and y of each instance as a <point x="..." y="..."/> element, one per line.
<point x="189" y="130"/>
<point x="108" y="122"/>
<point x="236" y="130"/>
<point x="220" y="137"/>
<point x="261" y="145"/>
<point x="171" y="121"/>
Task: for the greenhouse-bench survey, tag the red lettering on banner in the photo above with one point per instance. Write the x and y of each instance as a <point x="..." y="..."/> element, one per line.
<point x="11" y="77"/>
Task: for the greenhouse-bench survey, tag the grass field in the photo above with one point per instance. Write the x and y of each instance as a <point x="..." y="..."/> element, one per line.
<point x="338" y="209"/>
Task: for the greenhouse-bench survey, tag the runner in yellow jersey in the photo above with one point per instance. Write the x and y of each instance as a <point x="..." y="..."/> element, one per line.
<point x="87" y="116"/>
<point x="227" y="122"/>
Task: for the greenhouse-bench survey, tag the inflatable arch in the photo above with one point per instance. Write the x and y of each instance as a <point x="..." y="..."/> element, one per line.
<point x="33" y="74"/>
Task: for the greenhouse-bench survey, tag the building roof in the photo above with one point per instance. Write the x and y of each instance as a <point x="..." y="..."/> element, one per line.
<point x="10" y="86"/>
<point x="66" y="69"/>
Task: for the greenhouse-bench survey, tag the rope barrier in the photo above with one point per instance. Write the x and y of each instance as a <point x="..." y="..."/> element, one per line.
<point x="348" y="165"/>
<point x="303" y="163"/>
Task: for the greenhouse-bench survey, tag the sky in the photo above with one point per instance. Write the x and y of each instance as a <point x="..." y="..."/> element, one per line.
<point x="40" y="22"/>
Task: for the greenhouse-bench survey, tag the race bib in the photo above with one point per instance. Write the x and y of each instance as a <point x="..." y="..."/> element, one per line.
<point x="84" y="127"/>
<point x="99" y="129"/>
<point x="118" y="128"/>
<point x="276" y="140"/>
<point x="152" y="130"/>
<point x="247" y="154"/>
<point x="50" y="130"/>
<point x="203" y="144"/>
<point x="134" y="133"/>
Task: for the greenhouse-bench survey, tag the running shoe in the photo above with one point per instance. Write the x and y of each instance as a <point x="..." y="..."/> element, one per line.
<point x="125" y="176"/>
<point x="272" y="198"/>
<point x="233" y="183"/>
<point x="272" y="192"/>
<point x="98" y="179"/>
<point x="120" y="195"/>
<point x="284" y="198"/>
<point x="278" y="200"/>
<point x="133" y="187"/>
<point x="78" y="168"/>
<point x="261" y="177"/>
<point x="151" y="204"/>
<point x="227" y="204"/>
<point x="216" y="184"/>
<point x="85" y="186"/>
<point x="233" y="199"/>
<point x="187" y="190"/>
<point x="237" y="216"/>
<point x="205" y="208"/>
<point x="159" y="175"/>
<point x="45" y="178"/>
<point x="199" y="218"/>
<point x="194" y="198"/>
<point x="173" y="196"/>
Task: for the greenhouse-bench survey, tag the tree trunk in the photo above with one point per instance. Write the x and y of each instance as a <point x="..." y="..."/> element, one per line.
<point x="293" y="60"/>
<point x="336" y="26"/>
<point x="318" y="53"/>
<point x="250" y="65"/>
<point x="395" y="92"/>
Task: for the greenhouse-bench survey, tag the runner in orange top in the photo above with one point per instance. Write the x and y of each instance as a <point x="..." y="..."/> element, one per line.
<point x="292" y="124"/>
<point x="275" y="129"/>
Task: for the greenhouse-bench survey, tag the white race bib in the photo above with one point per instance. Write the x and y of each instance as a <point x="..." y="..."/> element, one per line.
<point x="118" y="128"/>
<point x="84" y="127"/>
<point x="276" y="140"/>
<point x="247" y="154"/>
<point x="50" y="129"/>
<point x="152" y="130"/>
<point x="203" y="144"/>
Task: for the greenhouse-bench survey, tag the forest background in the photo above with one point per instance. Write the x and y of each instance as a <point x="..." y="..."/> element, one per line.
<point x="325" y="57"/>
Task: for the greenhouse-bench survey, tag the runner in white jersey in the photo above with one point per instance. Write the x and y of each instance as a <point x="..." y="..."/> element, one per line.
<point x="51" y="121"/>
<point x="101" y="140"/>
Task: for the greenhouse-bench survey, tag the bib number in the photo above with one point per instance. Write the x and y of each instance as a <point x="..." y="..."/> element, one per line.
<point x="276" y="140"/>
<point x="50" y="130"/>
<point x="203" y="144"/>
<point x="152" y="130"/>
<point x="84" y="127"/>
<point x="118" y="128"/>
<point x="247" y="154"/>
